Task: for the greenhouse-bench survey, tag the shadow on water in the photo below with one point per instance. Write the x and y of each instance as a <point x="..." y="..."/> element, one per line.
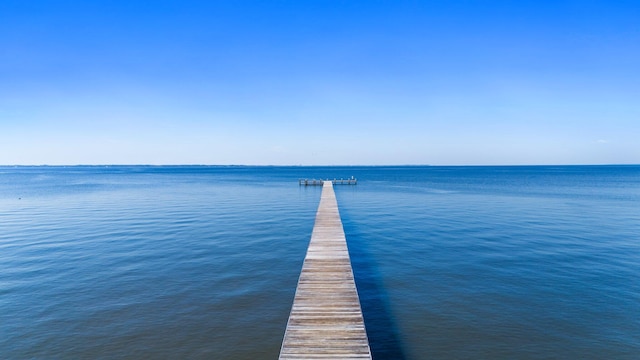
<point x="382" y="331"/>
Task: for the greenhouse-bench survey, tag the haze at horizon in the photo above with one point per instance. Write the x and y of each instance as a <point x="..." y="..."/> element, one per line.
<point x="319" y="82"/>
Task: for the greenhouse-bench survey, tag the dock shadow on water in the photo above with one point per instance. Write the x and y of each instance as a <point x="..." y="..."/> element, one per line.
<point x="383" y="334"/>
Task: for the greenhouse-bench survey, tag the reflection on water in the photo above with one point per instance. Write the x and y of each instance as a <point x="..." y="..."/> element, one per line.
<point x="383" y="334"/>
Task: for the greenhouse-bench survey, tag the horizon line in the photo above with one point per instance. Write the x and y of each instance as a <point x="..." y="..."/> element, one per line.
<point x="316" y="165"/>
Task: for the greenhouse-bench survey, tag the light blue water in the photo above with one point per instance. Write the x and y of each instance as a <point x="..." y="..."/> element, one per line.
<point x="202" y="262"/>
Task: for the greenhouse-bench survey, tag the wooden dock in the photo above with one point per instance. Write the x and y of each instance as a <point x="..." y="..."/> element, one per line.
<point x="326" y="319"/>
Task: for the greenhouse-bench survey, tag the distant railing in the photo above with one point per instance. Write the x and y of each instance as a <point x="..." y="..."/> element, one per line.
<point x="316" y="182"/>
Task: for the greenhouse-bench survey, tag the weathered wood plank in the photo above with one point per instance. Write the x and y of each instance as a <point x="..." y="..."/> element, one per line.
<point x="326" y="319"/>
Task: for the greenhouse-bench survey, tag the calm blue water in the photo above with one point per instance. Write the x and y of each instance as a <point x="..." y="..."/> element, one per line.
<point x="202" y="262"/>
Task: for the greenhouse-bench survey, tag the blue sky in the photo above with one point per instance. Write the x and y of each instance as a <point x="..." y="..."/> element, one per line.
<point x="319" y="82"/>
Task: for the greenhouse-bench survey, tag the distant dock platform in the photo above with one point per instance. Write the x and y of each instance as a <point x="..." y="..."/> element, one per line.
<point x="320" y="182"/>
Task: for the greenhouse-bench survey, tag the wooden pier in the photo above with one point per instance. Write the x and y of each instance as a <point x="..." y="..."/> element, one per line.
<point x="315" y="182"/>
<point x="326" y="319"/>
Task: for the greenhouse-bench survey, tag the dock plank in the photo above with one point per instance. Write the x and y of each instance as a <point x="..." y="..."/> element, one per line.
<point x="326" y="318"/>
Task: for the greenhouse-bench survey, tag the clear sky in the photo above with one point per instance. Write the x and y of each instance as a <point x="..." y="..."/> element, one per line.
<point x="319" y="82"/>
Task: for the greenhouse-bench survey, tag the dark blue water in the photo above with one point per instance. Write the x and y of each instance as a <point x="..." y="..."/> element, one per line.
<point x="202" y="262"/>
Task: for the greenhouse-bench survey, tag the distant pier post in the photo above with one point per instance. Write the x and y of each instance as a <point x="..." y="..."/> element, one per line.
<point x="326" y="319"/>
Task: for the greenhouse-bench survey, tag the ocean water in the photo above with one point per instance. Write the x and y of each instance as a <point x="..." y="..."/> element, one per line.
<point x="135" y="262"/>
